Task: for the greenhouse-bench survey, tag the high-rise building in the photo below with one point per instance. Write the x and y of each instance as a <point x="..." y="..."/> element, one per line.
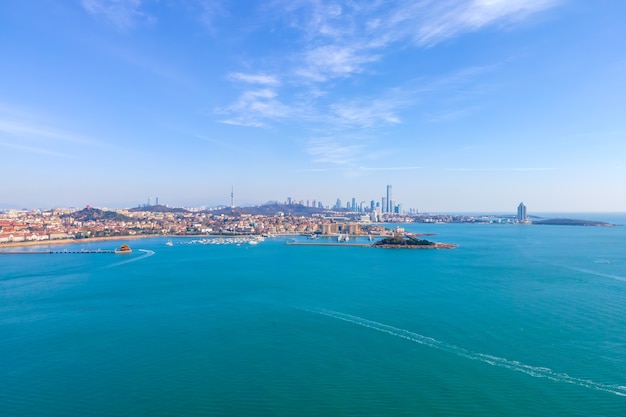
<point x="383" y="205"/>
<point x="521" y="213"/>
<point x="389" y="207"/>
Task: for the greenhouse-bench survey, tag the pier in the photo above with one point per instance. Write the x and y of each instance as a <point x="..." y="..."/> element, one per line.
<point x="362" y="245"/>
<point x="54" y="252"/>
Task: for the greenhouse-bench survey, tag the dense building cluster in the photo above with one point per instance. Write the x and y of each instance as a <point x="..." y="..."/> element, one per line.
<point x="38" y="225"/>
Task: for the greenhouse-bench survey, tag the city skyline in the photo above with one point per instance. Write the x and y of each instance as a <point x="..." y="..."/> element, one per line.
<point x="462" y="106"/>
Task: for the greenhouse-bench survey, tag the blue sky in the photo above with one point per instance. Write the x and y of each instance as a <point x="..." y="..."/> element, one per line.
<point x="460" y="105"/>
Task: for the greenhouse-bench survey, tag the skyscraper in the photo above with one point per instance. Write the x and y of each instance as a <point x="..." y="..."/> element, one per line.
<point x="521" y="213"/>
<point x="389" y="208"/>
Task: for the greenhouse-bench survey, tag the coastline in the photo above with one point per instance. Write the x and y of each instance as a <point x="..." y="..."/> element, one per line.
<point x="73" y="241"/>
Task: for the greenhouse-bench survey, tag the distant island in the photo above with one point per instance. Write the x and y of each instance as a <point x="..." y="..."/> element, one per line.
<point x="410" y="242"/>
<point x="572" y="222"/>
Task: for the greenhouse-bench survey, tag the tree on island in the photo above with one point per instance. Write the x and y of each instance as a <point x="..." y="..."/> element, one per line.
<point x="399" y="240"/>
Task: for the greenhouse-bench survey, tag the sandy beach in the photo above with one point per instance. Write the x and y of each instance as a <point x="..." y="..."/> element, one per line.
<point x="73" y="241"/>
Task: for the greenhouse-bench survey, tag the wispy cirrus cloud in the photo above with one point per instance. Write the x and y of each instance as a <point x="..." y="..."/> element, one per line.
<point x="123" y="14"/>
<point x="447" y="19"/>
<point x="360" y="168"/>
<point x="336" y="42"/>
<point x="29" y="133"/>
<point x="256" y="108"/>
<point x="209" y="11"/>
<point x="339" y="40"/>
<point x="368" y="112"/>
<point x="334" y="61"/>
<point x="517" y="169"/>
<point x="34" y="150"/>
<point x="34" y="132"/>
<point x="263" y="79"/>
<point x="330" y="150"/>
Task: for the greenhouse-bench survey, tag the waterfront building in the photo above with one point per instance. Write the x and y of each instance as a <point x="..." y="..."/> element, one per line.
<point x="330" y="228"/>
<point x="354" y="229"/>
<point x="521" y="213"/>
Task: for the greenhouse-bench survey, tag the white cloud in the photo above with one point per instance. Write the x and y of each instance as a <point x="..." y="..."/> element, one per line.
<point x="209" y="11"/>
<point x="366" y="113"/>
<point x="360" y="168"/>
<point x="340" y="39"/>
<point x="263" y="79"/>
<point x="328" y="150"/>
<point x="331" y="61"/>
<point x="31" y="133"/>
<point x="34" y="149"/>
<point x="451" y="18"/>
<point x="407" y="168"/>
<point x="123" y="14"/>
<point x="501" y="169"/>
<point x="255" y="108"/>
<point x="20" y="130"/>
<point x="336" y="42"/>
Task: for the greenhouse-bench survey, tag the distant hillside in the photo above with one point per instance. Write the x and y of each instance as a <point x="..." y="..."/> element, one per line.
<point x="93" y="214"/>
<point x="271" y="209"/>
<point x="158" y="209"/>
<point x="570" y="222"/>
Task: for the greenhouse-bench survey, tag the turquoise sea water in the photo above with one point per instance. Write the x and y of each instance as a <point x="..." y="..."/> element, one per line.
<point x="517" y="321"/>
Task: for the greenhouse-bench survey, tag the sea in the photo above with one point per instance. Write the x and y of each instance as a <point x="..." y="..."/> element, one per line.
<point x="518" y="320"/>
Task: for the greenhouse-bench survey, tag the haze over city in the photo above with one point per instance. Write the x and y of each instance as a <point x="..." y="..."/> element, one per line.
<point x="461" y="105"/>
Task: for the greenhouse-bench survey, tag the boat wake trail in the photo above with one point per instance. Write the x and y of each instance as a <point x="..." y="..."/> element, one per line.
<point x="147" y="254"/>
<point x="599" y="274"/>
<point x="534" y="371"/>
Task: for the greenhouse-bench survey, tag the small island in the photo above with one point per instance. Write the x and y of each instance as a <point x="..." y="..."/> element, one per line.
<point x="410" y="242"/>
<point x="572" y="222"/>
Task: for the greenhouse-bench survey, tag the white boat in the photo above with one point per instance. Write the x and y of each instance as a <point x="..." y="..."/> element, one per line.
<point x="169" y="243"/>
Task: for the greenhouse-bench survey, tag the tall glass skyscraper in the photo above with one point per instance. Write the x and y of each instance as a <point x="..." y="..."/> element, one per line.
<point x="521" y="213"/>
<point x="388" y="209"/>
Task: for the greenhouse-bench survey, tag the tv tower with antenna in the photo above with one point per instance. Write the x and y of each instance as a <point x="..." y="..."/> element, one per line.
<point x="232" y="197"/>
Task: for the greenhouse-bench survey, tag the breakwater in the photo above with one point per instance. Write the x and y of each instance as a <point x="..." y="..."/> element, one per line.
<point x="364" y="245"/>
<point x="53" y="252"/>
